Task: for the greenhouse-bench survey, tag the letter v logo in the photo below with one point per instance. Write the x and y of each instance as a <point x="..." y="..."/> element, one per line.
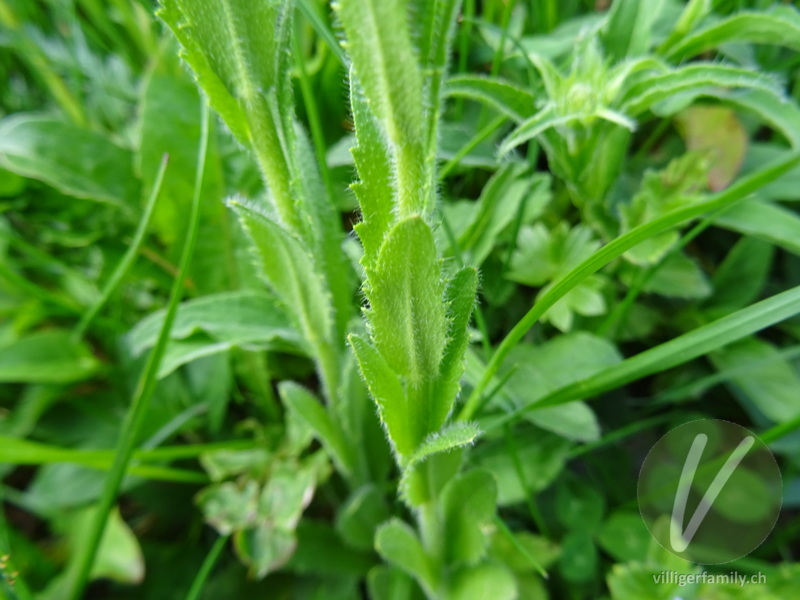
<point x="680" y="540"/>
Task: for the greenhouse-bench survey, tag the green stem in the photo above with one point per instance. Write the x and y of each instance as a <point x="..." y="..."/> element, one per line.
<point x="143" y="394"/>
<point x="130" y="255"/>
<point x="205" y="570"/>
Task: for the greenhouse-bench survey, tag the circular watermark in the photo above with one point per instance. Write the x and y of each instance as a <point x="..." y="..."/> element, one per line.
<point x="710" y="491"/>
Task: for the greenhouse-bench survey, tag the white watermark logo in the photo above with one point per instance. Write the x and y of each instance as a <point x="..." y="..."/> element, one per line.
<point x="710" y="491"/>
<point x="684" y="579"/>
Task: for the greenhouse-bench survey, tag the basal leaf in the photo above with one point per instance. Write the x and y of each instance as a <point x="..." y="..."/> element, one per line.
<point x="762" y="376"/>
<point x="483" y="581"/>
<point x="749" y="260"/>
<point x="766" y="221"/>
<point x="238" y="317"/>
<point x="398" y="544"/>
<point x="364" y="511"/>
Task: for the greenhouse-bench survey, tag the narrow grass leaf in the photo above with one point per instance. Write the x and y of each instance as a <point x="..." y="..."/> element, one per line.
<point x="779" y="26"/>
<point x="628" y="28"/>
<point x="130" y="428"/>
<point x="130" y="255"/>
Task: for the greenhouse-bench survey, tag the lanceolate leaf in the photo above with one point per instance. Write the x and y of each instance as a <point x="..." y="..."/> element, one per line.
<point x="50" y="356"/>
<point x="238" y="52"/>
<point x="405" y="293"/>
<point x="295" y="278"/>
<point x="535" y="126"/>
<point x="373" y="160"/>
<point x="387" y="391"/>
<point x="237" y="317"/>
<point x="779" y="26"/>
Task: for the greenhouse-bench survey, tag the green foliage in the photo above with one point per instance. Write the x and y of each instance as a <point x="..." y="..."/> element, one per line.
<point x="210" y="332"/>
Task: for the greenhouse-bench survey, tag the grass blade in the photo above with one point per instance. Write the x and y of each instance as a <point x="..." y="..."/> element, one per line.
<point x="205" y="570"/>
<point x="144" y="390"/>
<point x="130" y="255"/>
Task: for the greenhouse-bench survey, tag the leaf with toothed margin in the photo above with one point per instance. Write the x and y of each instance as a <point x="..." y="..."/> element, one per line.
<point x="452" y="437"/>
<point x="387" y="391"/>
<point x="387" y="68"/>
<point x="291" y="272"/>
<point x="405" y="292"/>
<point x="460" y="300"/>
<point x="236" y="49"/>
<point x="375" y="188"/>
